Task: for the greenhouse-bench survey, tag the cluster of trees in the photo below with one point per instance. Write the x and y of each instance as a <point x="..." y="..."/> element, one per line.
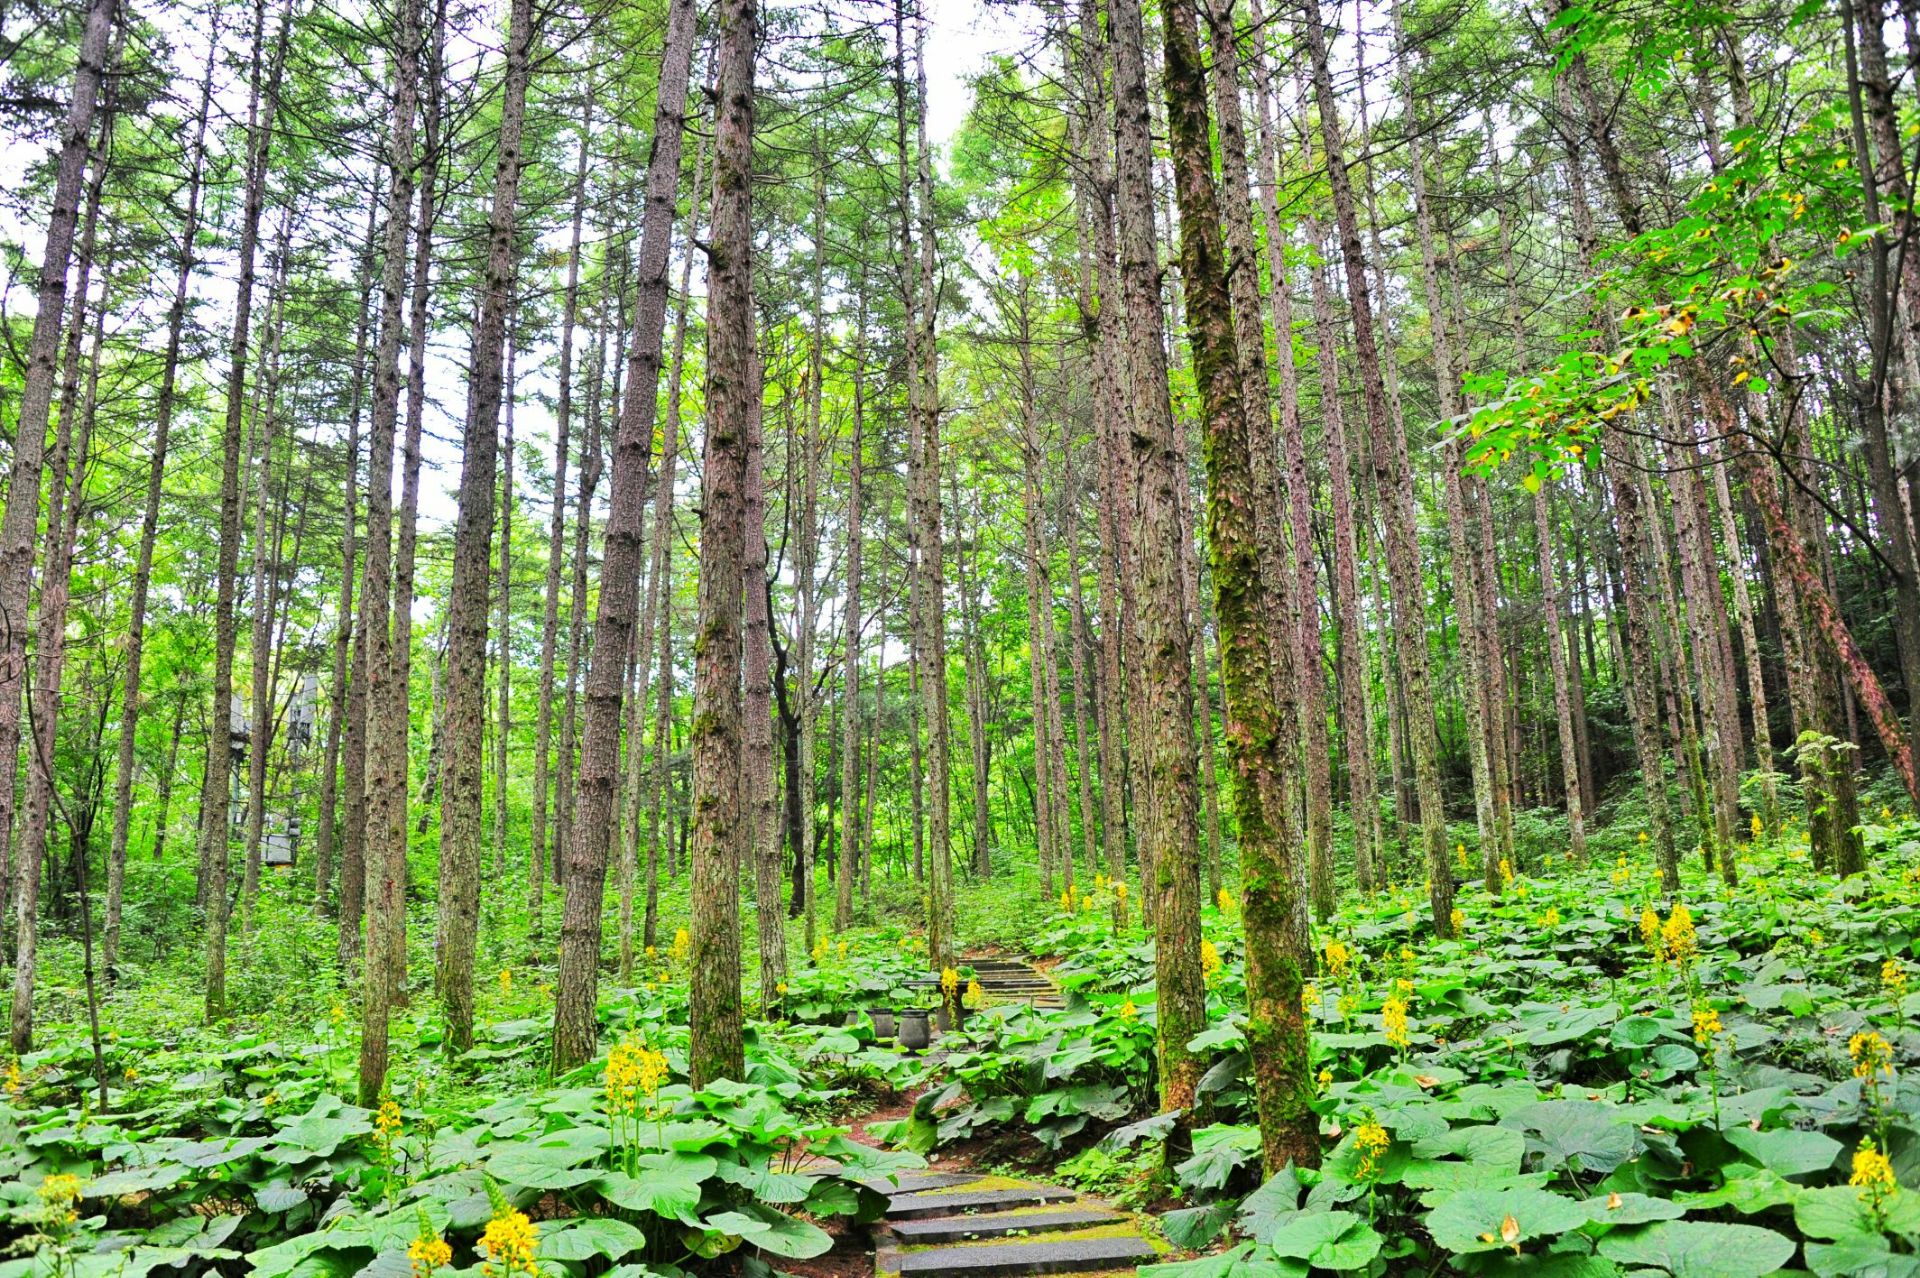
<point x="873" y="508"/>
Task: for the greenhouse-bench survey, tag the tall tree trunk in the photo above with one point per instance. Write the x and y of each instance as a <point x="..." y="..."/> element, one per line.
<point x="503" y="659"/>
<point x="1750" y="649"/>
<point x="538" y="857"/>
<point x="67" y="482"/>
<point x="1169" y="849"/>
<point x="658" y="607"/>
<point x="262" y="97"/>
<point x="716" y="1050"/>
<point x="21" y="522"/>
<point x="760" y="791"/>
<point x="344" y="629"/>
<point x="131" y="702"/>
<point x="852" y="622"/>
<point x="384" y="871"/>
<point x="466" y="686"/>
<point x="575" y="1024"/>
<point x="1258" y="738"/>
<point x="1394" y="483"/>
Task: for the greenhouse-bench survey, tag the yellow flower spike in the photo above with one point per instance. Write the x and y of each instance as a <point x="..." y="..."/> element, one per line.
<point x="1706" y="1024"/>
<point x="1650" y="932"/>
<point x="1225" y="900"/>
<point x="682" y="944"/>
<point x="1643" y="836"/>
<point x="1393" y="1018"/>
<point x="426" y="1254"/>
<point x="780" y="988"/>
<point x="1678" y="937"/>
<point x="1099" y="882"/>
<point x="1872" y="1173"/>
<point x="338" y="1014"/>
<point x="1324" y="1078"/>
<point x="1127" y="1010"/>
<point x="1339" y="957"/>
<point x="1758" y="826"/>
<point x="506" y="980"/>
<point x="976" y="994"/>
<point x="1371" y="1139"/>
<point x="1209" y="958"/>
<point x="1066" y="902"/>
<point x="1458" y="920"/>
<point x="509" y="1241"/>
<point x="1309" y="998"/>
<point x="1872" y="1055"/>
<point x="1506" y="871"/>
<point x="1893" y="979"/>
<point x="949" y="980"/>
<point x="388" y="1123"/>
<point x="841" y="949"/>
<point x="1816" y="938"/>
<point x="1120" y="890"/>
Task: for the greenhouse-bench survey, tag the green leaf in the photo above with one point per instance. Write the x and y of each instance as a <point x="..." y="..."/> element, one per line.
<point x="1327" y="1240"/>
<point x="1699" y="1249"/>
<point x="1474" y="1219"/>
<point x="1192" y="1228"/>
<point x="1787" y="1153"/>
<point x="1587" y="1134"/>
<point x="591" y="1236"/>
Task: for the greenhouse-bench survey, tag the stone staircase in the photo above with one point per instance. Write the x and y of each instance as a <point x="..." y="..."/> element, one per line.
<point x="997" y="1227"/>
<point x="1013" y="981"/>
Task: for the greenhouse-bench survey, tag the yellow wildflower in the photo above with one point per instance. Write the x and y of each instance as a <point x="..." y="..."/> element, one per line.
<point x="1506" y="871"/>
<point x="1086" y="904"/>
<point x="1209" y="957"/>
<point x="1128" y="1010"/>
<point x="425" y="1255"/>
<point x="387" y="1124"/>
<point x="1643" y="836"/>
<point x="682" y="944"/>
<point x="1677" y="936"/>
<point x="1893" y="979"/>
<point x="1706" y="1024"/>
<point x="1871" y="1054"/>
<point x="1309" y="998"/>
<point x="58" y="1193"/>
<point x="338" y="1014"/>
<point x="1460" y="854"/>
<point x="506" y="980"/>
<point x="1457" y="919"/>
<point x="1393" y="1018"/>
<point x="1325" y="1078"/>
<point x="1099" y="882"/>
<point x="509" y="1241"/>
<point x="1872" y="1173"/>
<point x="820" y="950"/>
<point x="653" y="952"/>
<point x="1816" y="938"/>
<point x="1551" y="918"/>
<point x="1339" y="957"/>
<point x="633" y="1071"/>
<point x="1225" y="901"/>
<point x="841" y="950"/>
<point x="1120" y="890"/>
<point x="1758" y="827"/>
<point x="780" y="987"/>
<point x="1066" y="902"/>
<point x="976" y="994"/>
<point x="1371" y="1139"/>
<point x="949" y="980"/>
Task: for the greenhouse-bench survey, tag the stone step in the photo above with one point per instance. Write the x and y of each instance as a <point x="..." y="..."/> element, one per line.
<point x="918" y="1182"/>
<point x="920" y="1206"/>
<point x="1014" y="1260"/>
<point x="953" y="1229"/>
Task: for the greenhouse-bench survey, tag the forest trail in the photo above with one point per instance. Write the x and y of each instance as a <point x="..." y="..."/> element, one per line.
<point x="1001" y="1227"/>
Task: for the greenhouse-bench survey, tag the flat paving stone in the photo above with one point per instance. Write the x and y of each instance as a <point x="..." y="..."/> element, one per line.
<point x="1011" y="1260"/>
<point x="919" y="1182"/>
<point x="949" y="1229"/>
<point x="922" y="1205"/>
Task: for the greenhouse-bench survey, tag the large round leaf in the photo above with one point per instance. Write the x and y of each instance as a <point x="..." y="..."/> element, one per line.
<point x="1495" y="1219"/>
<point x="1700" y="1249"/>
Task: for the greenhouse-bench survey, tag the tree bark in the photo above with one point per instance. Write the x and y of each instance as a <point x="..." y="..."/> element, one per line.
<point x="716" y="1050"/>
<point x="575" y="1026"/>
<point x="466" y="685"/>
<point x="1259" y="742"/>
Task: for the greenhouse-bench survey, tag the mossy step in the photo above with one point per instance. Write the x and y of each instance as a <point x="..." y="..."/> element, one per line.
<point x="917" y="1183"/>
<point x="954" y="1229"/>
<point x="920" y="1206"/>
<point x="1017" y="1259"/>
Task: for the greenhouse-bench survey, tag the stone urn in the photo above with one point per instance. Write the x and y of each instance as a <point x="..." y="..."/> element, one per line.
<point x="914" y="1033"/>
<point x="883" y="1023"/>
